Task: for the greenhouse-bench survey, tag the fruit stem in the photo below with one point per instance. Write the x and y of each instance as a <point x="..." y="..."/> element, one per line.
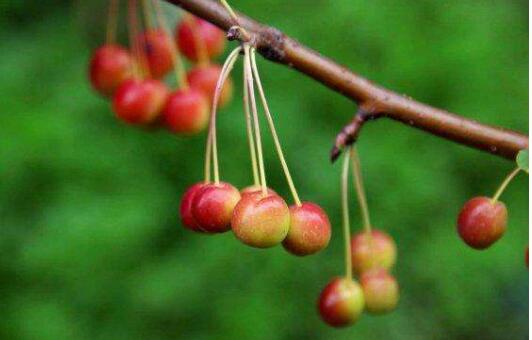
<point x="359" y="188"/>
<point x="177" y="61"/>
<point x="112" y="22"/>
<point x="249" y="128"/>
<point x="504" y="184"/>
<point x="345" y="218"/>
<point x="199" y="43"/>
<point x="276" y="141"/>
<point x="148" y="19"/>
<point x="212" y="147"/>
<point x="251" y="90"/>
<point x="233" y="15"/>
<point x="132" y="31"/>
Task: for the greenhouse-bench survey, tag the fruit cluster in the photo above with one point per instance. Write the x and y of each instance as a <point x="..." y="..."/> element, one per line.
<point x="483" y="220"/>
<point x="257" y="215"/>
<point x="134" y="77"/>
<point x="370" y="254"/>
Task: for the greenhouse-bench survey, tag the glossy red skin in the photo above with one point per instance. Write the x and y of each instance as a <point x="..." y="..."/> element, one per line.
<point x="158" y="51"/>
<point x="254" y="189"/>
<point x="110" y="66"/>
<point x="205" y="77"/>
<point x="381" y="291"/>
<point x="186" y="111"/>
<point x="212" y="36"/>
<point x="213" y="206"/>
<point x="261" y="221"/>
<point x="481" y="223"/>
<point x="140" y="101"/>
<point x="367" y="253"/>
<point x="341" y="302"/>
<point x="310" y="229"/>
<point x="185" y="209"/>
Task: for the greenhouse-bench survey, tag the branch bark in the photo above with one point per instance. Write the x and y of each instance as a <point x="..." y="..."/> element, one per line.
<point x="374" y="100"/>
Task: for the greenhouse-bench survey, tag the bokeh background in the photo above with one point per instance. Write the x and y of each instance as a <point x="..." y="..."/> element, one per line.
<point x="90" y="242"/>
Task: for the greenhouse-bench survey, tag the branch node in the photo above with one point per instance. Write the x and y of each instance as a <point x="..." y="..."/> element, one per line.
<point x="349" y="133"/>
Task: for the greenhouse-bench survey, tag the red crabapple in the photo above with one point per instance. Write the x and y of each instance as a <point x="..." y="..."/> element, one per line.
<point x="140" y="101"/>
<point x="204" y="78"/>
<point x="341" y="302"/>
<point x="372" y="251"/>
<point x="482" y="222"/>
<point x="186" y="111"/>
<point x="260" y="220"/>
<point x="381" y="291"/>
<point x="185" y="209"/>
<point x="213" y="205"/>
<point x="110" y="66"/>
<point x="157" y="47"/>
<point x="310" y="229"/>
<point x="211" y="36"/>
<point x="253" y="189"/>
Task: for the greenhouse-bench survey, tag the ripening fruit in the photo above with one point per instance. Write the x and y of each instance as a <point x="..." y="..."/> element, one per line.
<point x="157" y="48"/>
<point x="213" y="205"/>
<point x="185" y="209"/>
<point x="212" y="38"/>
<point x="482" y="222"/>
<point x="204" y="78"/>
<point x="140" y="101"/>
<point x="186" y="111"/>
<point x="381" y="291"/>
<point x="341" y="302"/>
<point x="255" y="188"/>
<point x="261" y="221"/>
<point x="372" y="251"/>
<point x="310" y="229"/>
<point x="110" y="66"/>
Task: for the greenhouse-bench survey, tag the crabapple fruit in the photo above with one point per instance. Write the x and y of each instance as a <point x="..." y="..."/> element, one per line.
<point x="372" y="251"/>
<point x="341" y="302"/>
<point x="140" y="101"/>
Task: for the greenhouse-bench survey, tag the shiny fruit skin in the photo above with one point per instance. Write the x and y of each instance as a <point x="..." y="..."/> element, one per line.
<point x="381" y="291"/>
<point x="310" y="229"/>
<point x="205" y="77"/>
<point x="261" y="221"/>
<point x="212" y="37"/>
<point x="213" y="206"/>
<point x="377" y="251"/>
<point x="255" y="188"/>
<point x="481" y="222"/>
<point x="158" y="51"/>
<point x="185" y="209"/>
<point x="341" y="302"/>
<point x="140" y="101"/>
<point x="186" y="111"/>
<point x="110" y="66"/>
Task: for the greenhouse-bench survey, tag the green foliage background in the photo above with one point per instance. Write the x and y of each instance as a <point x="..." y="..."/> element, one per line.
<point x="90" y="243"/>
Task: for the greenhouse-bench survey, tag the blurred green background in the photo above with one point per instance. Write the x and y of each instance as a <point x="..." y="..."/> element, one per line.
<point x="90" y="243"/>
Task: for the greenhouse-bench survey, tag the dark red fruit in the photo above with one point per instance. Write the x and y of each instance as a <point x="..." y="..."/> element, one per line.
<point x="205" y="77"/>
<point x="140" y="101"/>
<point x="212" y="37"/>
<point x="372" y="251"/>
<point x="482" y="222"/>
<point x="341" y="302"/>
<point x="213" y="207"/>
<point x="261" y="221"/>
<point x="158" y="51"/>
<point x="110" y="66"/>
<point x="185" y="209"/>
<point x="381" y="291"/>
<point x="186" y="111"/>
<point x="310" y="230"/>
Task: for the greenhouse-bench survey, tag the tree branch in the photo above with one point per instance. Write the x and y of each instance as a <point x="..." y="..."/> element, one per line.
<point x="371" y="98"/>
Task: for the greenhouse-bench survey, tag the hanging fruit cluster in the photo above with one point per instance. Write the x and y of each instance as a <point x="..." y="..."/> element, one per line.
<point x="133" y="77"/>
<point x="257" y="215"/>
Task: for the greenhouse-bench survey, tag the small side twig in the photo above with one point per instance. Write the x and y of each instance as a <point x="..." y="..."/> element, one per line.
<point x="350" y="132"/>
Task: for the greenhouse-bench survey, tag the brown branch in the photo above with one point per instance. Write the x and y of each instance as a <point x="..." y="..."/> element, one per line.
<point x="276" y="46"/>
